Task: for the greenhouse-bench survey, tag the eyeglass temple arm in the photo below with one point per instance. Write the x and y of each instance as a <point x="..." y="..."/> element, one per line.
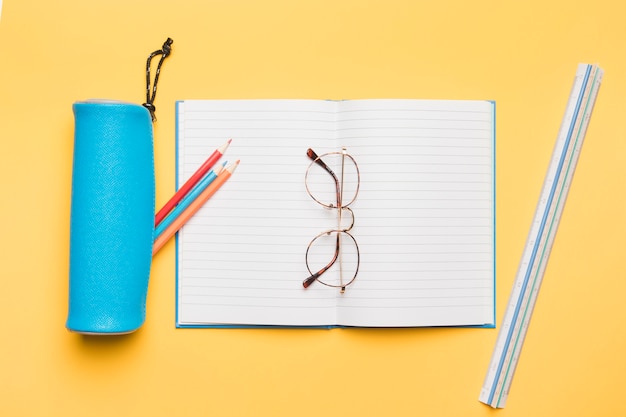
<point x="310" y="280"/>
<point x="313" y="156"/>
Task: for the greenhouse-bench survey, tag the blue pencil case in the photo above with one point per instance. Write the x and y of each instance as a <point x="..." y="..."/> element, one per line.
<point x="112" y="217"/>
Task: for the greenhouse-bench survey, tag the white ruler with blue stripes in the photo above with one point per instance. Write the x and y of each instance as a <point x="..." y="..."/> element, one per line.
<point x="543" y="230"/>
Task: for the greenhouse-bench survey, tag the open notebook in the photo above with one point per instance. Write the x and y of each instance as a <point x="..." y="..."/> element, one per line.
<point x="424" y="218"/>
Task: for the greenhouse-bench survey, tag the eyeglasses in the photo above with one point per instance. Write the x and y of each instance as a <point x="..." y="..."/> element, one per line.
<point x="333" y="257"/>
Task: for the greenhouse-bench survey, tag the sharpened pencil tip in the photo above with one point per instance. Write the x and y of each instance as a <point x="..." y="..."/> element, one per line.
<point x="233" y="166"/>
<point x="225" y="146"/>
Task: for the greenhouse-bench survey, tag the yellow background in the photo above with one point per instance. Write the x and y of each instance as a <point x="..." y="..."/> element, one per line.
<point x="522" y="54"/>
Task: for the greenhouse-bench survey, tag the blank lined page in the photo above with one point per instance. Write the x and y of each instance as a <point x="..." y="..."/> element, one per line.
<point x="241" y="257"/>
<point x="425" y="212"/>
<point x="424" y="218"/>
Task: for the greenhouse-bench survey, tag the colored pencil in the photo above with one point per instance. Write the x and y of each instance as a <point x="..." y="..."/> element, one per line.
<point x="187" y="200"/>
<point x="193" y="207"/>
<point x="191" y="182"/>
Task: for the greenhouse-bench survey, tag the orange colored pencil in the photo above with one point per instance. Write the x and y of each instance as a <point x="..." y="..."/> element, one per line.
<point x="193" y="207"/>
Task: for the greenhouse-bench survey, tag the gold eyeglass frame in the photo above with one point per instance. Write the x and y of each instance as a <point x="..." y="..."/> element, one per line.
<point x="339" y="231"/>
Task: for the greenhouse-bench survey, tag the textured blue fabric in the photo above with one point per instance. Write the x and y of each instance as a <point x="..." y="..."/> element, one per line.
<point x="112" y="217"/>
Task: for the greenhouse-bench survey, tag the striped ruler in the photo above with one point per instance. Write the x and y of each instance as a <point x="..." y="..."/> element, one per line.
<point x="543" y="230"/>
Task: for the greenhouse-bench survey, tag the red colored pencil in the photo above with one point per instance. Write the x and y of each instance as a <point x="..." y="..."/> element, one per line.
<point x="191" y="182"/>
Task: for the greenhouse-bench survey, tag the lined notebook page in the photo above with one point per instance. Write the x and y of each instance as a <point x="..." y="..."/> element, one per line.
<point x="427" y="197"/>
<point x="424" y="217"/>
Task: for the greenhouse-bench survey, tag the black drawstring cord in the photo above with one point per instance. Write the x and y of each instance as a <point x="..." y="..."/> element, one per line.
<point x="164" y="52"/>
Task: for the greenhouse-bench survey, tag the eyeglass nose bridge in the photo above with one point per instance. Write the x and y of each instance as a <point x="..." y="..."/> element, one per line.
<point x="345" y="221"/>
<point x="347" y="229"/>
